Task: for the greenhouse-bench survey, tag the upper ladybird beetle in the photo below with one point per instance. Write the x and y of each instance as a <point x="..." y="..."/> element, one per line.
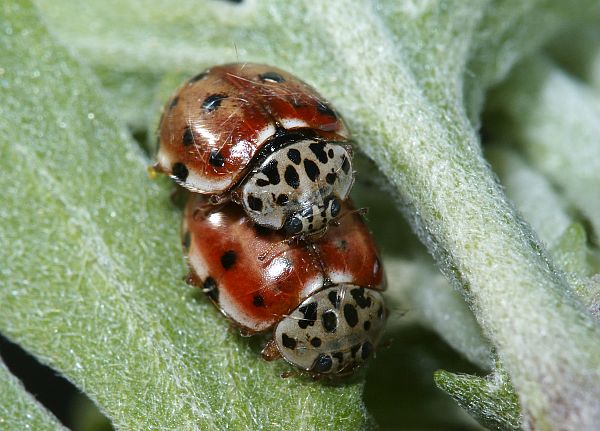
<point x="259" y="136"/>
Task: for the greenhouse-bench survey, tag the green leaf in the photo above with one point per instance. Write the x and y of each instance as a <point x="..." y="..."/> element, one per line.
<point x="556" y="122"/>
<point x="94" y="283"/>
<point x="410" y="77"/>
<point x="491" y="400"/>
<point x="18" y="409"/>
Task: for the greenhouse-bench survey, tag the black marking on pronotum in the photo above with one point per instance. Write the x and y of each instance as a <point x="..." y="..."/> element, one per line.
<point x="310" y="315"/>
<point x="212" y="102"/>
<point x="345" y="164"/>
<point x="258" y="301"/>
<point x="336" y="207"/>
<point x="334" y="298"/>
<point x="350" y="315"/>
<point x="323" y="108"/>
<point x="282" y="200"/>
<point x="323" y="363"/>
<point x="315" y="342"/>
<point x="338" y="355"/>
<point x="262" y="182"/>
<point x="380" y="312"/>
<point x="272" y="172"/>
<point x="294" y="155"/>
<point x="180" y="171"/>
<point x="312" y="170"/>
<point x="173" y="102"/>
<point x="228" y="259"/>
<point x="367" y="325"/>
<point x="330" y="178"/>
<point x="291" y="177"/>
<point x="318" y="149"/>
<point x="271" y="77"/>
<point x="329" y="320"/>
<point x="216" y="158"/>
<point x="354" y="349"/>
<point x="288" y="342"/>
<point x="198" y="77"/>
<point x="281" y="138"/>
<point x="255" y="204"/>
<point x="210" y="288"/>
<point x="330" y="153"/>
<point x="359" y="297"/>
<point x="367" y="350"/>
<point x="188" y="137"/>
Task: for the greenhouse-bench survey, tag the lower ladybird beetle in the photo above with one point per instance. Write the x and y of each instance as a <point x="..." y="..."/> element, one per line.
<point x="321" y="300"/>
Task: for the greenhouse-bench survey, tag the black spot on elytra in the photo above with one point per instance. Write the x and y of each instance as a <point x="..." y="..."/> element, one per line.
<point x="310" y="315"/>
<point x="345" y="164"/>
<point x="173" y="102"/>
<point x="258" y="301"/>
<point x="354" y="349"/>
<point x="288" y="342"/>
<point x="180" y="171"/>
<point x="367" y="351"/>
<point x="294" y="155"/>
<point x="323" y="108"/>
<point x="216" y="158"/>
<point x="188" y="137"/>
<point x="312" y="170"/>
<point x="271" y="77"/>
<point x="282" y="200"/>
<point x="330" y="153"/>
<point x="198" y="77"/>
<point x="271" y="172"/>
<point x="291" y="177"/>
<point x="315" y="342"/>
<point x="211" y="289"/>
<point x="228" y="259"/>
<point x="187" y="240"/>
<point x="310" y="227"/>
<point x="329" y="320"/>
<point x="367" y="325"/>
<point x="212" y="102"/>
<point x="350" y="315"/>
<point x="255" y="204"/>
<point x="330" y="178"/>
<point x="318" y="149"/>
<point x="334" y="298"/>
<point x="323" y="363"/>
<point x="359" y="297"/>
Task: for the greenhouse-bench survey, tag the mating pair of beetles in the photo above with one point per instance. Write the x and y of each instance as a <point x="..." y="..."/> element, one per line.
<point x="268" y="231"/>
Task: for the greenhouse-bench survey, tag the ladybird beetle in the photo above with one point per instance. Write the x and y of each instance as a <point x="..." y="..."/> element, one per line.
<point x="258" y="136"/>
<point x="320" y="300"/>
